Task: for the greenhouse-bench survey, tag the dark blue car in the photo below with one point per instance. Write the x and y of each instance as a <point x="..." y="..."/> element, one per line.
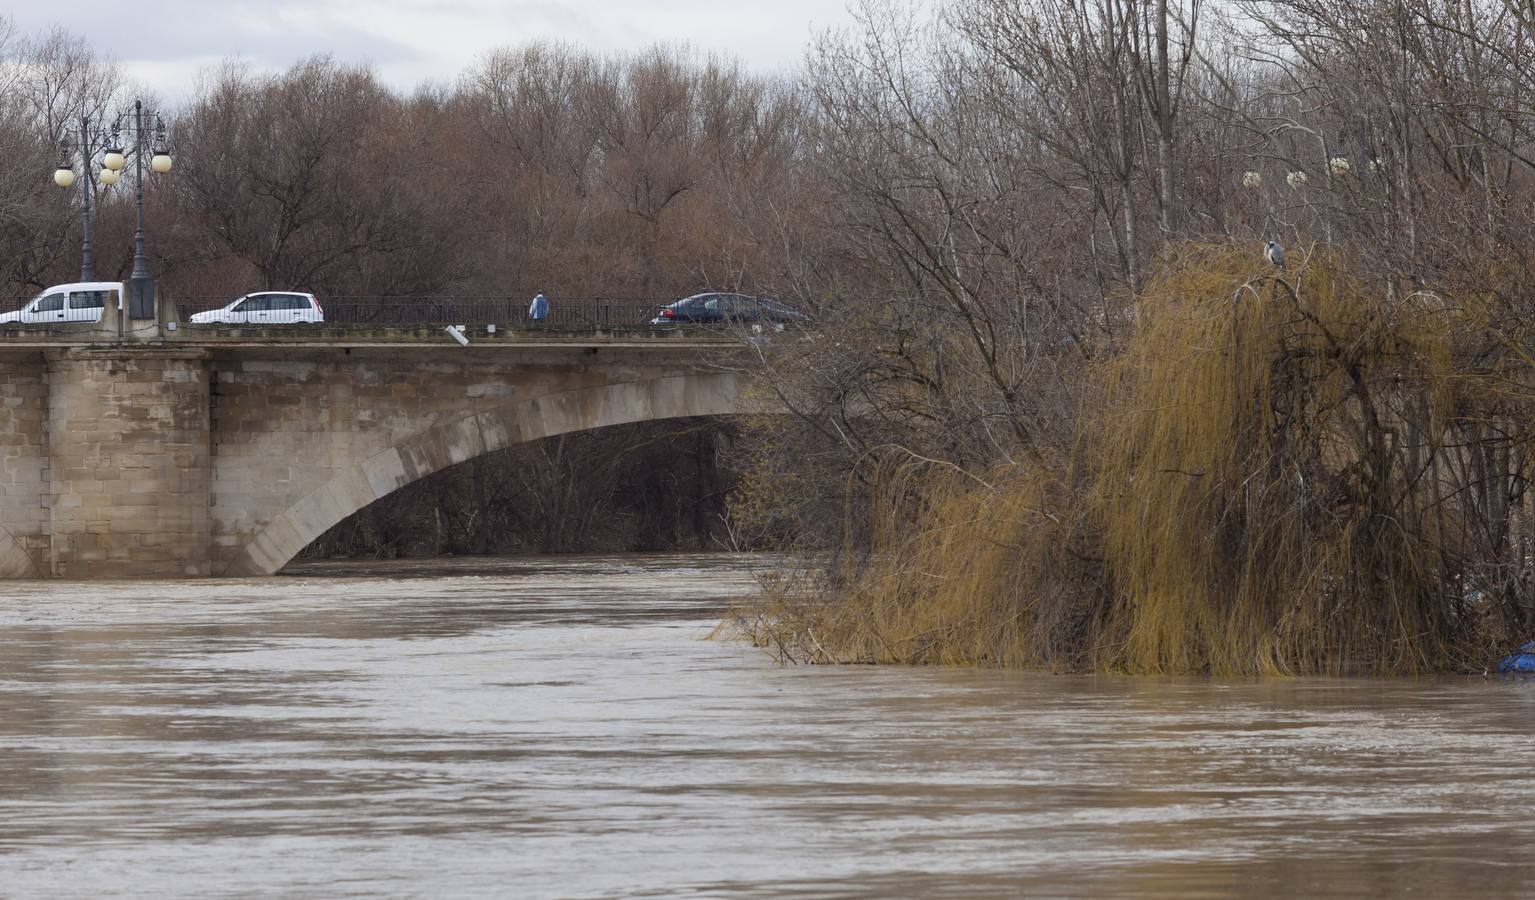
<point x="716" y="308"/>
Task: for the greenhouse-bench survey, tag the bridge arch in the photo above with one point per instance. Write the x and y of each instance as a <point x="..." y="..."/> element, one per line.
<point x="435" y="449"/>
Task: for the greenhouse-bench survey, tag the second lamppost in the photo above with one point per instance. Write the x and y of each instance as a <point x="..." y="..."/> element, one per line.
<point x="141" y="287"/>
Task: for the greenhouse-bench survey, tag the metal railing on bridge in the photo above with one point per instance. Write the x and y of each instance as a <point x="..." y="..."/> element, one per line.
<point x="567" y="313"/>
<point x="563" y="313"/>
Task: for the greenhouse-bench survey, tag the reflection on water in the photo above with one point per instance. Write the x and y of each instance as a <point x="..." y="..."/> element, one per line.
<point x="563" y="729"/>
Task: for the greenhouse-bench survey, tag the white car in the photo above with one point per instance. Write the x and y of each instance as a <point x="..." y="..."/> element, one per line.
<point x="265" y="308"/>
<point x="78" y="302"/>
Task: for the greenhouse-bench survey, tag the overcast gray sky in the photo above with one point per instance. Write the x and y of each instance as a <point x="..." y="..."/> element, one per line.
<point x="164" y="43"/>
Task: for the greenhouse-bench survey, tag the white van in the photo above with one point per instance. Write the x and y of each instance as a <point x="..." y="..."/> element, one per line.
<point x="82" y="301"/>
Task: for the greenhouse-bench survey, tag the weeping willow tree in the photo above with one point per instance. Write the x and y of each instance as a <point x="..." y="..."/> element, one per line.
<point x="1276" y="475"/>
<point x="1281" y="472"/>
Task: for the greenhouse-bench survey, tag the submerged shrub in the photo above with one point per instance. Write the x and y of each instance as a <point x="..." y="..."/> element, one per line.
<point x="962" y="571"/>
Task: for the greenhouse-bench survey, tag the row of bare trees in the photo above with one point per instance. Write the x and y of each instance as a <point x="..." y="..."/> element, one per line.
<point x="543" y="168"/>
<point x="986" y="190"/>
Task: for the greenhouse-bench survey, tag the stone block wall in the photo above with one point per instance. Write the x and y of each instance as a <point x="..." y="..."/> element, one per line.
<point x="128" y="461"/>
<point x="24" y="467"/>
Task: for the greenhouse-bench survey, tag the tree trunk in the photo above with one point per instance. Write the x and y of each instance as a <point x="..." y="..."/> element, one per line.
<point x="1165" y="155"/>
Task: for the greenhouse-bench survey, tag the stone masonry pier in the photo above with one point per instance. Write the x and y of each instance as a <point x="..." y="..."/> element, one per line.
<point x="223" y="452"/>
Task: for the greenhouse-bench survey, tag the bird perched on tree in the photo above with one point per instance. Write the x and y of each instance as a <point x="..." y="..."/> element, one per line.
<point x="1274" y="254"/>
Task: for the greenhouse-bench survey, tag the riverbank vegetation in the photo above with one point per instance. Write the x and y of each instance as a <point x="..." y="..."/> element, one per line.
<point x="1071" y="416"/>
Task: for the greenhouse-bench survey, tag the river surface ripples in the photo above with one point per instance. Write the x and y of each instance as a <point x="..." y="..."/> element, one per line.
<point x="565" y="728"/>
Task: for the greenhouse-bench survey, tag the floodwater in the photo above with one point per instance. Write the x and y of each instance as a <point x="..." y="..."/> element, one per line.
<point x="535" y="729"/>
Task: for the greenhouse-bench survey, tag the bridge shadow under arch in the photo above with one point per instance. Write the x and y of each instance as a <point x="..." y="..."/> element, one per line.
<point x="435" y="449"/>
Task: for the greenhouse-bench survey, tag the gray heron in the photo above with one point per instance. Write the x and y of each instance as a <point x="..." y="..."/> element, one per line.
<point x="1274" y="254"/>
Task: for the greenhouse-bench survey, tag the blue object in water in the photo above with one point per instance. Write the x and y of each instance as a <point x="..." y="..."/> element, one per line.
<point x="1523" y="661"/>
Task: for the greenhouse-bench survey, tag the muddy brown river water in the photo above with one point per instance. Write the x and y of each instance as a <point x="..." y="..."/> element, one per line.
<point x="564" y="728"/>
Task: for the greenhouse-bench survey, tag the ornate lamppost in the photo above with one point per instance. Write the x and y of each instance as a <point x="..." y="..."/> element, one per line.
<point x="141" y="288"/>
<point x="64" y="177"/>
<point x="144" y="137"/>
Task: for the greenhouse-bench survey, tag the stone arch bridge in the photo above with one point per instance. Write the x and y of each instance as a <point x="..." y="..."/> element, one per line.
<point x="225" y="451"/>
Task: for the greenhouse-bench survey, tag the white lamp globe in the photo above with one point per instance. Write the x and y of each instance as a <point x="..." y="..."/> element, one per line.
<point x="64" y="177"/>
<point x="161" y="163"/>
<point x="110" y="176"/>
<point x="113" y="161"/>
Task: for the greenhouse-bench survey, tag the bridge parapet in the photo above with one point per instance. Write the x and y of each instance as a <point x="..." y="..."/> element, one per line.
<point x="507" y="312"/>
<point x="580" y="313"/>
<point x="743" y="315"/>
